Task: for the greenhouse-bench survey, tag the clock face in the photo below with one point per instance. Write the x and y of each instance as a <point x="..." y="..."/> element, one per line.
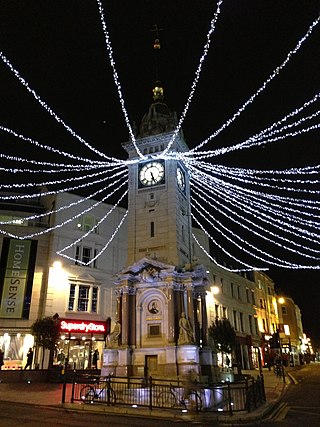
<point x="151" y="173"/>
<point x="180" y="179"/>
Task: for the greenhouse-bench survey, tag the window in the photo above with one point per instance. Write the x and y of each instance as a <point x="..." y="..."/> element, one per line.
<point x="250" y="324"/>
<point x="264" y="325"/>
<point x="253" y="297"/>
<point x="222" y="285"/>
<point x="239" y="293"/>
<point x="87" y="222"/>
<point x="224" y="312"/>
<point x="72" y="297"/>
<point x="217" y="310"/>
<point x="235" y="320"/>
<point x="261" y="303"/>
<point x="241" y="322"/>
<point x="284" y="309"/>
<point x="152" y="229"/>
<point x="232" y="289"/>
<point x="247" y="295"/>
<point x="84" y="255"/>
<point x="83" y="298"/>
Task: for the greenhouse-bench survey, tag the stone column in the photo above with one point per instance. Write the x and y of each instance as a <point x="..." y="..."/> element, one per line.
<point x="171" y="316"/>
<point x="190" y="306"/>
<point x="125" y="316"/>
<point x="119" y="305"/>
<point x="132" y="316"/>
<point x="204" y="318"/>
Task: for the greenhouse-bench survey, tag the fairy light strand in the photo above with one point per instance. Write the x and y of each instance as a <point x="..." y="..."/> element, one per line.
<point x="261" y="89"/>
<point x="115" y="77"/>
<point x="60" y="225"/>
<point x="50" y="111"/>
<point x="197" y="76"/>
<point x="232" y="213"/>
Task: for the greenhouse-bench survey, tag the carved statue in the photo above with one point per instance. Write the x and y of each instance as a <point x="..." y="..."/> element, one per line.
<point x="185" y="331"/>
<point x="113" y="337"/>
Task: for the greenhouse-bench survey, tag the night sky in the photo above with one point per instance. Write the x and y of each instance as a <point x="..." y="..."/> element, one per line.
<point x="59" y="48"/>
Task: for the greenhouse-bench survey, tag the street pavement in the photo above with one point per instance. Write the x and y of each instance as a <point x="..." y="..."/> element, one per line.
<point x="50" y="395"/>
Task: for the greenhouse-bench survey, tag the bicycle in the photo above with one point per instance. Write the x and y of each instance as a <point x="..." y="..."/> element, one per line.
<point x="278" y="370"/>
<point x="171" y="399"/>
<point x="89" y="394"/>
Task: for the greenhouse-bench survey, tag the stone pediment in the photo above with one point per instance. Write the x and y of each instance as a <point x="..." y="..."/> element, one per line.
<point x="86" y="278"/>
<point x="149" y="271"/>
<point x="146" y="263"/>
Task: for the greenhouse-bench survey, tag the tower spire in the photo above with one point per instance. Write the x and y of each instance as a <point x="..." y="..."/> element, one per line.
<point x="157" y="88"/>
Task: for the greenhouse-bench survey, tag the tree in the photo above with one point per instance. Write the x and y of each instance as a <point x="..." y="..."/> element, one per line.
<point x="222" y="335"/>
<point x="46" y="333"/>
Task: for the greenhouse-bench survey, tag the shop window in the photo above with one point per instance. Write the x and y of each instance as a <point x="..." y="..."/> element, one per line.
<point x="83" y="298"/>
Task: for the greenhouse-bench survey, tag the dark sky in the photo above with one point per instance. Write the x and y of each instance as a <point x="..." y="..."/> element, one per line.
<point x="59" y="48"/>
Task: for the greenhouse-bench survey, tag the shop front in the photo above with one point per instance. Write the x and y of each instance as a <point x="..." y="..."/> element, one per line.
<point x="81" y="343"/>
<point x="15" y="343"/>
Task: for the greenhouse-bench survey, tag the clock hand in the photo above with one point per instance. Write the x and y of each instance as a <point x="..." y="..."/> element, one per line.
<point x="152" y="177"/>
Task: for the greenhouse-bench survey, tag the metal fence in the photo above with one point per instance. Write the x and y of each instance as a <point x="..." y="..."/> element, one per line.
<point x="177" y="395"/>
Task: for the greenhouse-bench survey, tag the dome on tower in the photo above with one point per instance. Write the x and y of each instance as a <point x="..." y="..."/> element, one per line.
<point x="158" y="119"/>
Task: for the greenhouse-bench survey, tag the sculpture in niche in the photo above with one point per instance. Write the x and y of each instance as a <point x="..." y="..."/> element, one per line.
<point x="113" y="337"/>
<point x="185" y="331"/>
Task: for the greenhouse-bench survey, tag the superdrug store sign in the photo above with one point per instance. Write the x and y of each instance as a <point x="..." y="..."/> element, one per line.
<point x="83" y="326"/>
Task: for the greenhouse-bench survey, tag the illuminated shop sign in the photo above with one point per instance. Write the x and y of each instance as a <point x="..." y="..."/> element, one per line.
<point x="83" y="326"/>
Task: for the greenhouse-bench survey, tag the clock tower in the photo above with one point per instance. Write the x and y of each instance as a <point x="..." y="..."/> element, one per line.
<point x="159" y="222"/>
<point x="161" y="297"/>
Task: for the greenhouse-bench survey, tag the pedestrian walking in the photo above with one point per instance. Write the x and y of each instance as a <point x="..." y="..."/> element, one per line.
<point x="1" y="359"/>
<point x="29" y="358"/>
<point x="95" y="359"/>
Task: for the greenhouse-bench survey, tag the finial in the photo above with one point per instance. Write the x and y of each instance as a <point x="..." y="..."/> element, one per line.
<point x="158" y="88"/>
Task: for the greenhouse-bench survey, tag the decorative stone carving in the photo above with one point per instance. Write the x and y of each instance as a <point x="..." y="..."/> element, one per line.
<point x="149" y="274"/>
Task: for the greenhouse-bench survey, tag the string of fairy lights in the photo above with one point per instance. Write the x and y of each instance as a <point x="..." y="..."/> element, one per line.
<point x="270" y="217"/>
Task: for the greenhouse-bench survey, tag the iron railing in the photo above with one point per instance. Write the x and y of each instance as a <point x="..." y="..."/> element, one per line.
<point x="158" y="393"/>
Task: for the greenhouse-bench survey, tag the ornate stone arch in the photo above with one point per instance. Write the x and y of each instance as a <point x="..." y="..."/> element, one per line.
<point x="152" y="318"/>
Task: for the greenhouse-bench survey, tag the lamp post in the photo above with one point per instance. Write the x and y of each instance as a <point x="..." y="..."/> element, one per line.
<point x="281" y="300"/>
